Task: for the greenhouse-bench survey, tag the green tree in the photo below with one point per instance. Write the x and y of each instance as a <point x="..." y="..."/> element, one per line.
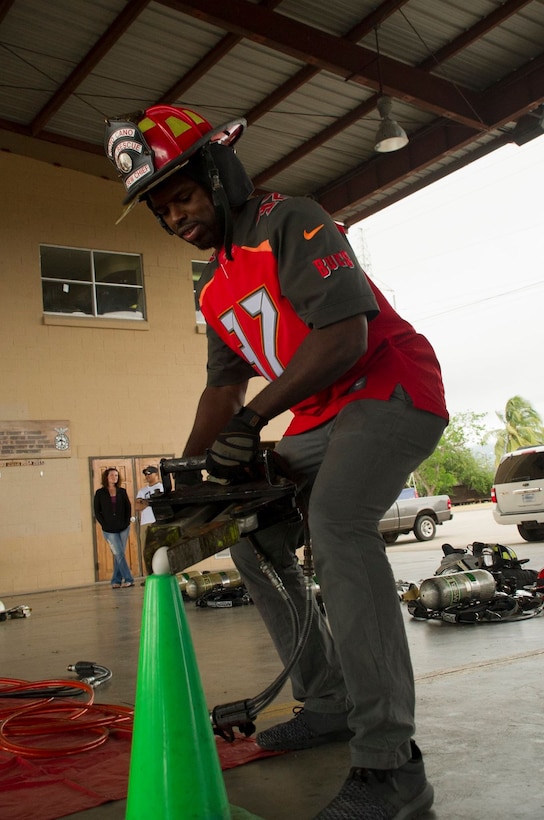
<point x="522" y="427"/>
<point x="454" y="461"/>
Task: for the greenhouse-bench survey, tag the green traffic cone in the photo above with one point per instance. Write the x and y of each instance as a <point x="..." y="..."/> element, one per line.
<point x="175" y="772"/>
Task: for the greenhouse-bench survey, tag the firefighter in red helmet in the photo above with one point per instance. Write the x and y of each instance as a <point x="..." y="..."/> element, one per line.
<point x="284" y="297"/>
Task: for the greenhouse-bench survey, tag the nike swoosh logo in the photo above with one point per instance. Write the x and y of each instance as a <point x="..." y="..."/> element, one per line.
<point x="311" y="234"/>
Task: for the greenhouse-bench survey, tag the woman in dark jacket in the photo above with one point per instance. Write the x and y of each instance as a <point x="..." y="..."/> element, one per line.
<point x="112" y="510"/>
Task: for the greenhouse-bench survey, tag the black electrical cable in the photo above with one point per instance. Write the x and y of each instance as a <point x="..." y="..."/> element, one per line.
<point x="91" y="673"/>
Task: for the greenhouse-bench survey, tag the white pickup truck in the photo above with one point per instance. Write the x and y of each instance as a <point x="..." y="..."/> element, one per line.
<point x="417" y="515"/>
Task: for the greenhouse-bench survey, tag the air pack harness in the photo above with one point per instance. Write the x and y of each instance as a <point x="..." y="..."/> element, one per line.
<point x="483" y="583"/>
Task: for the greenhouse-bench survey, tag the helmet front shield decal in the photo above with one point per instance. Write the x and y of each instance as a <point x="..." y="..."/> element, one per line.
<point x="127" y="149"/>
<point x="146" y="147"/>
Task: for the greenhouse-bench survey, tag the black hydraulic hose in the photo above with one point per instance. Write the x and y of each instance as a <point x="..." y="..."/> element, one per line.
<point x="261" y="701"/>
<point x="267" y="695"/>
<point x="277" y="684"/>
<point x="241" y="714"/>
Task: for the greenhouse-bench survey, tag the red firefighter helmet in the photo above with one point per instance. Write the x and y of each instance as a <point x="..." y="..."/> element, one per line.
<point x="148" y="146"/>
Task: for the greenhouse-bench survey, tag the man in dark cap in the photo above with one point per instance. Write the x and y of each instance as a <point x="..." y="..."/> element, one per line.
<point x="153" y="485"/>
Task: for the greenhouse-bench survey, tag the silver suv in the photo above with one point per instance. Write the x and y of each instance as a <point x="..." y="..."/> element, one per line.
<point x="518" y="491"/>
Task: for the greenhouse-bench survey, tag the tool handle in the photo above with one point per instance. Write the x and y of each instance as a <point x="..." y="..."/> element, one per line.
<point x="174" y="465"/>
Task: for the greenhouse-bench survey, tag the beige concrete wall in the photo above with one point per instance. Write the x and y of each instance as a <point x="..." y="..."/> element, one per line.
<point x="127" y="388"/>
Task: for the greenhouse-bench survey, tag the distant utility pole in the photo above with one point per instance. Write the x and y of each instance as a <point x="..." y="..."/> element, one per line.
<point x="359" y="244"/>
<point x="357" y="238"/>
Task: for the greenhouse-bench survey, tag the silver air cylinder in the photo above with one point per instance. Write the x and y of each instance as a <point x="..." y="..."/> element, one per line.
<point x="197" y="586"/>
<point x="183" y="577"/>
<point x="442" y="591"/>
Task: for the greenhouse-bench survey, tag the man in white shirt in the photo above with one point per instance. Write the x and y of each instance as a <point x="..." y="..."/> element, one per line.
<point x="154" y="485"/>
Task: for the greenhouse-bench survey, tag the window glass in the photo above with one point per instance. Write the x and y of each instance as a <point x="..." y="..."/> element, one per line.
<point x="114" y="299"/>
<point x="120" y="268"/>
<point x="67" y="297"/>
<point x="92" y="283"/>
<point x="197" y="268"/>
<point x="65" y="263"/>
<point x="525" y="467"/>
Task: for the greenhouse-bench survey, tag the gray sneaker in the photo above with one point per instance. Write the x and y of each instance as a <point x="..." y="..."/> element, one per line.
<point x="373" y="794"/>
<point x="305" y="730"/>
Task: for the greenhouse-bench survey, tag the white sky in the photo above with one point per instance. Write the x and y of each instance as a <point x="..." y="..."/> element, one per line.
<point x="463" y="261"/>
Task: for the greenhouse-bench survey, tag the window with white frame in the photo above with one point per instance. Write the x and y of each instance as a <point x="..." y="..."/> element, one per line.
<point x="197" y="268"/>
<point x="81" y="282"/>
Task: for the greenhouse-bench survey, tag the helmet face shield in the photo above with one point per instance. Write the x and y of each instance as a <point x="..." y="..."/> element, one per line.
<point x="147" y="147"/>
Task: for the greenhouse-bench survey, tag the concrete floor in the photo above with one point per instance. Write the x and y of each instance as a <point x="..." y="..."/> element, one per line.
<point x="479" y="694"/>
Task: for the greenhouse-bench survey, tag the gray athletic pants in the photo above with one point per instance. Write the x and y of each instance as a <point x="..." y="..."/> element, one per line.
<point x="354" y="468"/>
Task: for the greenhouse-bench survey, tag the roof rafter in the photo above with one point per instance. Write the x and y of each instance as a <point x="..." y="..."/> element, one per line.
<point x="475" y="32"/>
<point x="131" y="11"/>
<point x="523" y="89"/>
<point x="208" y="61"/>
<point x="339" y="56"/>
<point x="460" y="124"/>
<point x="305" y="74"/>
<point x="444" y="171"/>
<point x="5" y="6"/>
<point x="465" y="39"/>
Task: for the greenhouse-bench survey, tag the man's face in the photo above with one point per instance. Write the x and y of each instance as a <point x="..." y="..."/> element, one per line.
<point x="187" y="209"/>
<point x="151" y="478"/>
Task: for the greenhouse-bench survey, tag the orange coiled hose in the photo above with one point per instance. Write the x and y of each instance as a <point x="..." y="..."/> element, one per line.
<point x="23" y="728"/>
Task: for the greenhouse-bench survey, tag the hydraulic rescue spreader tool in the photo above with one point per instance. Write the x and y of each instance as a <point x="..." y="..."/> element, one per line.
<point x="195" y="519"/>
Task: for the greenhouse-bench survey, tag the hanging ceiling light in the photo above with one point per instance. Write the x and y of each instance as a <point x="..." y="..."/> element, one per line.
<point x="390" y="135"/>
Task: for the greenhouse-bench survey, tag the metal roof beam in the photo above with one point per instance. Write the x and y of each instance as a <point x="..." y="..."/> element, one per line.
<point x="418" y="185"/>
<point x="305" y="74"/>
<point x="207" y="62"/>
<point x="465" y="39"/>
<point x="337" y="55"/>
<point x="121" y="23"/>
<point x="5" y="6"/>
<point x="340" y="124"/>
<point x="516" y="95"/>
<point x="475" y="32"/>
<point x="426" y="146"/>
<point x="54" y="138"/>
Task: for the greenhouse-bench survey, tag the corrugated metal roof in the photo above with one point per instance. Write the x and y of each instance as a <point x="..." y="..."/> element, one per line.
<point x="462" y="75"/>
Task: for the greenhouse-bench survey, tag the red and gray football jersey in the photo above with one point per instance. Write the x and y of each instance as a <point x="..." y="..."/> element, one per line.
<point x="293" y="270"/>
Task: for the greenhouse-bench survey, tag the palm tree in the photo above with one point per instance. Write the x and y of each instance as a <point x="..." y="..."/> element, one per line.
<point x="522" y="427"/>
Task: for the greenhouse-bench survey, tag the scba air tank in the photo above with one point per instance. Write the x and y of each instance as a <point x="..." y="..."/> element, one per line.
<point x="442" y="591"/>
<point x="183" y="577"/>
<point x="199" y="585"/>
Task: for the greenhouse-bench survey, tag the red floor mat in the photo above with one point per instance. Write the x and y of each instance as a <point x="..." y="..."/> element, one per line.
<point x="49" y="788"/>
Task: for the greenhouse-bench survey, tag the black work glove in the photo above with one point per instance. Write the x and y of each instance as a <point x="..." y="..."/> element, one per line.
<point x="236" y="448"/>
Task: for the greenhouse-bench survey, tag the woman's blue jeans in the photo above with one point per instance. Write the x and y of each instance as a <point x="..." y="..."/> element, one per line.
<point x="118" y="542"/>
